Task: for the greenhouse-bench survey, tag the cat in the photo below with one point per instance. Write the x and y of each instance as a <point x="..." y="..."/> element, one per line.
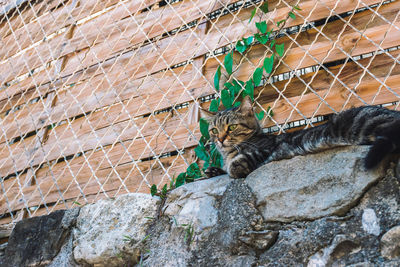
<point x="244" y="147"/>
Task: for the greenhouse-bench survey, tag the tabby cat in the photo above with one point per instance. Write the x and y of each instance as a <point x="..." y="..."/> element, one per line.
<point x="244" y="147"/>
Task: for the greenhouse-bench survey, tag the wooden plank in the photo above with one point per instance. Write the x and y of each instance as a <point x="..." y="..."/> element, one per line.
<point x="121" y="61"/>
<point x="336" y="97"/>
<point x="237" y="27"/>
<point x="176" y="134"/>
<point x="25" y="14"/>
<point x="79" y="102"/>
<point x="139" y="28"/>
<point x="117" y="114"/>
<point x="154" y="93"/>
<point x="50" y="22"/>
<point x="89" y="34"/>
<point x="350" y="74"/>
<point x="80" y="172"/>
<point x="188" y="45"/>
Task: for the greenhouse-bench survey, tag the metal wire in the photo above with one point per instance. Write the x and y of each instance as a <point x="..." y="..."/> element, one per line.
<point x="57" y="157"/>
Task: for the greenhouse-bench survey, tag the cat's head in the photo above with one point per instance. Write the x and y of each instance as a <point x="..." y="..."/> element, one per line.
<point x="232" y="126"/>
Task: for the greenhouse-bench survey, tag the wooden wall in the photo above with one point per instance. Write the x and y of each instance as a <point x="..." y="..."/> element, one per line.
<point x="97" y="96"/>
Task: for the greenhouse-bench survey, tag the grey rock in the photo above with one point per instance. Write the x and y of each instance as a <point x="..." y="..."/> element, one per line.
<point x="390" y="243"/>
<point x="104" y="229"/>
<point x="65" y="257"/>
<point x="341" y="245"/>
<point x="2" y="253"/>
<point x="195" y="203"/>
<point x="226" y="239"/>
<point x="238" y="220"/>
<point x="42" y="238"/>
<point x="300" y="242"/>
<point x="167" y="245"/>
<point x="370" y="222"/>
<point x="313" y="186"/>
<point x="260" y="240"/>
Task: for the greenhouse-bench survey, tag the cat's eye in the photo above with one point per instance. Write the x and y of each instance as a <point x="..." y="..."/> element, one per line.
<point x="232" y="127"/>
<point x="214" y="130"/>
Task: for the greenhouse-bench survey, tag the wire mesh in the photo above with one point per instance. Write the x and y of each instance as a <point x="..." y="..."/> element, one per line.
<point x="101" y="98"/>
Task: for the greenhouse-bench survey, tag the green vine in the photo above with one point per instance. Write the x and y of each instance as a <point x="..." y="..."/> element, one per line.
<point x="233" y="89"/>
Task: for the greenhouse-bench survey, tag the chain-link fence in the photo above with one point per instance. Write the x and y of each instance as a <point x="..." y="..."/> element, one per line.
<point x="100" y="98"/>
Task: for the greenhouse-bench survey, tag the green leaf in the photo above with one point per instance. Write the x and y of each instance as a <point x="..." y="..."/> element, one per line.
<point x="297" y="7"/>
<point x="270" y="112"/>
<point x="253" y="12"/>
<point x="201" y="153"/>
<point x="264" y="7"/>
<point x="164" y="190"/>
<point x="236" y="104"/>
<point x="280" y="22"/>
<point x="263" y="39"/>
<point x="226" y="98"/>
<point x="153" y="190"/>
<point x="262" y="26"/>
<point x="280" y="49"/>
<point x="214" y="105"/>
<point x="193" y="171"/>
<point x="237" y="86"/>
<point x="180" y="180"/>
<point x="204" y="128"/>
<point x="269" y="64"/>
<point x="217" y="77"/>
<point x="241" y="46"/>
<point x="260" y="115"/>
<point x="249" y="89"/>
<point x="272" y="43"/>
<point x="292" y="15"/>
<point x="257" y="76"/>
<point x="249" y="40"/>
<point x="228" y="61"/>
<point x="216" y="157"/>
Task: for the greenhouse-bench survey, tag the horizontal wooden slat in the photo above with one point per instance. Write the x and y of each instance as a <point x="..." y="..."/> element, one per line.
<point x="336" y="97"/>
<point x="93" y="130"/>
<point x="193" y="43"/>
<point x="53" y="21"/>
<point x="190" y="45"/>
<point x="61" y="178"/>
<point x="77" y="102"/>
<point x="138" y="135"/>
<point x="23" y="15"/>
<point x="115" y="37"/>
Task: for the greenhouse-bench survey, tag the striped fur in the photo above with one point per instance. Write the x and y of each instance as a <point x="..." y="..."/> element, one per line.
<point x="245" y="147"/>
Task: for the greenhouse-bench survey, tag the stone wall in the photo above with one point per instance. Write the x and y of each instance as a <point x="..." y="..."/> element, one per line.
<point x="315" y="210"/>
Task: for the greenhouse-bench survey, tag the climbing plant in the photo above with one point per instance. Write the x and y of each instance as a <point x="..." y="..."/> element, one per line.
<point x="233" y="90"/>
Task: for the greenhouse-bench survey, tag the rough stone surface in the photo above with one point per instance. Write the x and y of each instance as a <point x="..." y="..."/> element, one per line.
<point x="65" y="257"/>
<point x="195" y="203"/>
<point x="338" y="241"/>
<point x="390" y="243"/>
<point x="105" y="228"/>
<point x="43" y="238"/>
<point x="328" y="217"/>
<point x="313" y="186"/>
<point x="370" y="222"/>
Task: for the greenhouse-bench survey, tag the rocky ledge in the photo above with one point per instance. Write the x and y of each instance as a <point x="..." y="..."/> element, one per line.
<point x="314" y="210"/>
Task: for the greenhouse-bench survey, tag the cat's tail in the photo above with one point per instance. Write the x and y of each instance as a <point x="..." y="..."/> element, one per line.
<point x="388" y="141"/>
<point x="379" y="149"/>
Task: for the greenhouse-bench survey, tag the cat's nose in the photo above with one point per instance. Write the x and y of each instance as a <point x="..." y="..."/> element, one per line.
<point x="222" y="138"/>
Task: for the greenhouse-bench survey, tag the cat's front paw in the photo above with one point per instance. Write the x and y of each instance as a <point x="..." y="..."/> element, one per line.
<point x="238" y="169"/>
<point x="214" y="171"/>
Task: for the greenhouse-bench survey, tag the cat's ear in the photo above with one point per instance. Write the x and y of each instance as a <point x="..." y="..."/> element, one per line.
<point x="206" y="114"/>
<point x="246" y="107"/>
